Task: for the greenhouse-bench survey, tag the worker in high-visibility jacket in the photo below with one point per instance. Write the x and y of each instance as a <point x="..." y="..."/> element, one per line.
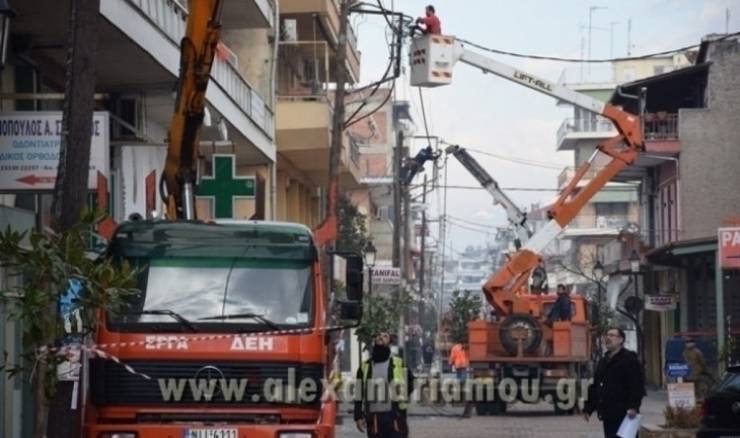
<point x="460" y="361"/>
<point x="385" y="387"/>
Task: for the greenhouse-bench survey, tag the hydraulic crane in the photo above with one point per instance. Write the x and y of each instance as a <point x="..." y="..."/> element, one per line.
<point x="517" y="218"/>
<point x="519" y="341"/>
<point x="197" y="51"/>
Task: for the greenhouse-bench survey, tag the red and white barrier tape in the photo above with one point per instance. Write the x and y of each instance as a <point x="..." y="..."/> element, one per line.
<point x="211" y="337"/>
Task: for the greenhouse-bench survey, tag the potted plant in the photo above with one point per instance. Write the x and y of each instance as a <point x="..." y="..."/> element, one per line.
<point x="680" y="422"/>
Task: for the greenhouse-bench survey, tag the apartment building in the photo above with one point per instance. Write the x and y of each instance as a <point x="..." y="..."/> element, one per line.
<point x="136" y="68"/>
<point x="688" y="178"/>
<point x="309" y="40"/>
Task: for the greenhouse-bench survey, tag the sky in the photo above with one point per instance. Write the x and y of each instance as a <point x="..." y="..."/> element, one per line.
<point x="487" y="113"/>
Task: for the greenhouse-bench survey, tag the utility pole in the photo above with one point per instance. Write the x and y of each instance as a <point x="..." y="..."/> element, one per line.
<point x="339" y="111"/>
<point x="590" y="13"/>
<point x="397" y="165"/>
<point x="422" y="270"/>
<point x="406" y="259"/>
<point x="53" y="417"/>
<point x="611" y="38"/>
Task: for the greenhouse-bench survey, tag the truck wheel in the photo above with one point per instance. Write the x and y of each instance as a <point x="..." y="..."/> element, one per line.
<point x="497" y="407"/>
<point x="482" y="408"/>
<point x="522" y="323"/>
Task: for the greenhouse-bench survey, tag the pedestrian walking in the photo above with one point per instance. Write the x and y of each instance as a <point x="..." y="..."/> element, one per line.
<point x="460" y="361"/>
<point x="700" y="376"/>
<point x="378" y="412"/>
<point x="428" y="352"/>
<point x="618" y="386"/>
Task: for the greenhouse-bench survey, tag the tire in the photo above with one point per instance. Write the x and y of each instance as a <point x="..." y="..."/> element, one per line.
<point x="482" y="409"/>
<point x="526" y="322"/>
<point x="497" y="407"/>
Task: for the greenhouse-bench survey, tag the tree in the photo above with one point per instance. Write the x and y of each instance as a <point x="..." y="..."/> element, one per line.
<point x="352" y="229"/>
<point x="45" y="266"/>
<point x="464" y="307"/>
<point x="380" y="314"/>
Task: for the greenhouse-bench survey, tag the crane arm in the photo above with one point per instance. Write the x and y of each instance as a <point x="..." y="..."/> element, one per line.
<point x="197" y="50"/>
<point x="517" y="218"/>
<point x="432" y="60"/>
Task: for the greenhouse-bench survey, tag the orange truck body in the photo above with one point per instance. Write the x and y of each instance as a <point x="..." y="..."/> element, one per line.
<point x="123" y="403"/>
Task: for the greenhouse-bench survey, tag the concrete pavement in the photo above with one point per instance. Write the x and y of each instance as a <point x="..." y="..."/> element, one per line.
<point x="522" y="420"/>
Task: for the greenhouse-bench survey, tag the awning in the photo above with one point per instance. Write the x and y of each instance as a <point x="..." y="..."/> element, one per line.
<point x="672" y="253"/>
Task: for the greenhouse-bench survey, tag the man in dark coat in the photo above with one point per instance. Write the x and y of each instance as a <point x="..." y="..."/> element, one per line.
<point x="561" y="310"/>
<point x="618" y="386"/>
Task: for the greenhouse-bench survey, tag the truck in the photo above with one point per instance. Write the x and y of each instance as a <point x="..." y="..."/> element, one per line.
<point x="231" y="335"/>
<point x="517" y="345"/>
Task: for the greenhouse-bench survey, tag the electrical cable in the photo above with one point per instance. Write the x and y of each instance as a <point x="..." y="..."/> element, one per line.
<point x="424" y="116"/>
<point x="592" y="61"/>
<point x="376" y="109"/>
<point x="524" y="161"/>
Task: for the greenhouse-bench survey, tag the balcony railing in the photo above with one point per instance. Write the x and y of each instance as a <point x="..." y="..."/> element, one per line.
<point x="588" y="221"/>
<point x="585" y="125"/>
<point x="661" y="126"/>
<point x="170" y="17"/>
<point x="569" y="172"/>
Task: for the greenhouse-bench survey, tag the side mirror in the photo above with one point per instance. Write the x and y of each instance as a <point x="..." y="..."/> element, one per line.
<point x="350" y="310"/>
<point x="355" y="278"/>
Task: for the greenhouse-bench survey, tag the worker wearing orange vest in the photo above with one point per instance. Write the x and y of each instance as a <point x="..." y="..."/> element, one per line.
<point x="460" y="362"/>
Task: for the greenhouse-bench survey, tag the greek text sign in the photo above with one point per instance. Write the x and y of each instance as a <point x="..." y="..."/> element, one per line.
<point x="729" y="247"/>
<point x="29" y="149"/>
<point x="386" y="276"/>
<point x="660" y="303"/>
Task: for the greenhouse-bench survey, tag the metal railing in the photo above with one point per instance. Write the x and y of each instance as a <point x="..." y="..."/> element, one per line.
<point x="661" y="126"/>
<point x="595" y="125"/>
<point x="303" y="69"/>
<point x="170" y="17"/>
<point x="568" y="172"/>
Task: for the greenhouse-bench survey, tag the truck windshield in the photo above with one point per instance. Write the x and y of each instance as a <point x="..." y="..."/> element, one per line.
<point x="207" y="292"/>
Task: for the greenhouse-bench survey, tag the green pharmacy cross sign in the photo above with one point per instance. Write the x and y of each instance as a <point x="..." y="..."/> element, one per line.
<point x="224" y="186"/>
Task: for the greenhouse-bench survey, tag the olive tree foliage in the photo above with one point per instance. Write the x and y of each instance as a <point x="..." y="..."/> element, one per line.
<point x="381" y="313"/>
<point x="40" y="266"/>
<point x="352" y="229"/>
<point x="465" y="306"/>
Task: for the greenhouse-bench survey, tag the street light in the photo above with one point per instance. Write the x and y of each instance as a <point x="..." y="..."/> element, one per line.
<point x="598" y="272"/>
<point x="636" y="305"/>
<point x="370" y="252"/>
<point x="6" y="15"/>
<point x="634" y="262"/>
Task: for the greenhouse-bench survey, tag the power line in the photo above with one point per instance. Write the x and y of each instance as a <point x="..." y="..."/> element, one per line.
<point x="590" y="61"/>
<point x="530" y="189"/>
<point x="525" y="161"/>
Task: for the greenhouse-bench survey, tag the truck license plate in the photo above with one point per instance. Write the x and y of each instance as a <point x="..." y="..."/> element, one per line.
<point x="210" y="433"/>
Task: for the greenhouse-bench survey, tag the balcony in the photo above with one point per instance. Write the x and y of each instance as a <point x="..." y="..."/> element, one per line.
<point x="170" y="17"/>
<point x="327" y="13"/>
<point x="569" y="172"/>
<point x="304" y="137"/>
<point x="586" y="225"/>
<point x="572" y="130"/>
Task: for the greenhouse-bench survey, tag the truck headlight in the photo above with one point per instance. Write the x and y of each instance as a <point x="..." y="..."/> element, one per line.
<point x="295" y="435"/>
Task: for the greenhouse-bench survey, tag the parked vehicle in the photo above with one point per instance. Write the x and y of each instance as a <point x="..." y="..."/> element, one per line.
<point x="721" y="408"/>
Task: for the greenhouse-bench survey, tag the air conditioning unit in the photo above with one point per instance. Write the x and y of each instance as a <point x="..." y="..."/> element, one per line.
<point x="289" y="30"/>
<point x="383" y="213"/>
<point x="601" y="222"/>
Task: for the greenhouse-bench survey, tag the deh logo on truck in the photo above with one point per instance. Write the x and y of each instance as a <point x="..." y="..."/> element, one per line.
<point x="252" y="343"/>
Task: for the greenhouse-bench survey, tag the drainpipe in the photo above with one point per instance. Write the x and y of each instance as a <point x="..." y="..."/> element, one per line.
<point x="272" y="167"/>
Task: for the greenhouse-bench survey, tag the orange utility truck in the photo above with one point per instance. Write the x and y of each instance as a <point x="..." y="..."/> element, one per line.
<point x="518" y="344"/>
<point x="231" y="334"/>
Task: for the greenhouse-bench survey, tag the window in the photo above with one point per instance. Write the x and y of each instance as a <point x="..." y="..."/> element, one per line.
<point x="611" y="208"/>
<point x="217" y="291"/>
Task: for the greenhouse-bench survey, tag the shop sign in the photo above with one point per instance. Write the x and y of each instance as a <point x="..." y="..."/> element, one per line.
<point x="29" y="150"/>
